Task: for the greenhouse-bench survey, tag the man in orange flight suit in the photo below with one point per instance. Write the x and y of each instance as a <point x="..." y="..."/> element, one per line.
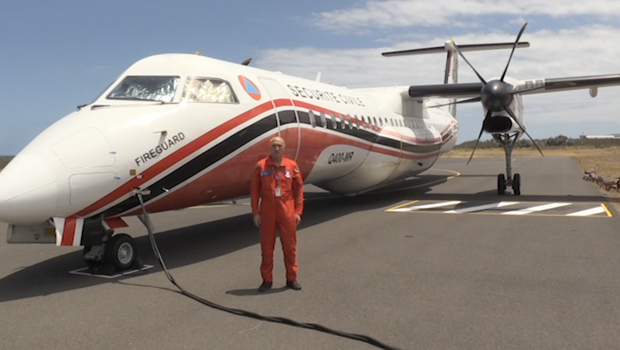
<point x="278" y="184"/>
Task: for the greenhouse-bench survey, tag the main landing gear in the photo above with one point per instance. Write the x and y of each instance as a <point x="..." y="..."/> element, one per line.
<point x="508" y="142"/>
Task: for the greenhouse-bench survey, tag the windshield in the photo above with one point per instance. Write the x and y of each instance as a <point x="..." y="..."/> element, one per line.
<point x="146" y="88"/>
<point x="208" y="90"/>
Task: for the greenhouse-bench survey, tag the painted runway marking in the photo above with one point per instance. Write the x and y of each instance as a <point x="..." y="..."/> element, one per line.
<point x="428" y="206"/>
<point x="588" y="212"/>
<point x="481" y="207"/>
<point x="505" y="208"/>
<point x="536" y="208"/>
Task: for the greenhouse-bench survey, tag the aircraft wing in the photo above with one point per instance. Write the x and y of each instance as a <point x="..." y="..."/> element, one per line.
<point x="530" y="86"/>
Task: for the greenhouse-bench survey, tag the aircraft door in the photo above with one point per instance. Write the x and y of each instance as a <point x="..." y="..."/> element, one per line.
<point x="288" y="120"/>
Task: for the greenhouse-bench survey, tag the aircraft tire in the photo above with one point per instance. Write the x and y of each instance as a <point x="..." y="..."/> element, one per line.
<point x="501" y="184"/>
<point x="121" y="251"/>
<point x="516" y="185"/>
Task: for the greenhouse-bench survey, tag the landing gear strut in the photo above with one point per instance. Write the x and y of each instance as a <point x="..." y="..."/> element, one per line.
<point x="508" y="142"/>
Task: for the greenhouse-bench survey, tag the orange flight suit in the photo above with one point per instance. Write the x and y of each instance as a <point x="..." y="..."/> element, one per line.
<point x="278" y="212"/>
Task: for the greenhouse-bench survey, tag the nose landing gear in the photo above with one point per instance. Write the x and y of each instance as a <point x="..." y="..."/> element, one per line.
<point x="115" y="254"/>
<point x="508" y="142"/>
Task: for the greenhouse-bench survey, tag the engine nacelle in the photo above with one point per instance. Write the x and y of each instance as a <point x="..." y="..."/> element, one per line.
<point x="501" y="122"/>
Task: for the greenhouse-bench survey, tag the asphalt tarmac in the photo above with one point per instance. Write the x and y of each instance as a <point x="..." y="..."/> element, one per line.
<point x="398" y="265"/>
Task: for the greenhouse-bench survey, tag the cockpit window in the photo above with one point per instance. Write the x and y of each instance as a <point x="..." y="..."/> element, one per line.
<point x="146" y="88"/>
<point x="208" y="90"/>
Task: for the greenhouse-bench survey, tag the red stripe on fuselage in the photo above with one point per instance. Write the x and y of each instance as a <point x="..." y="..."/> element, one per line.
<point x="195" y="145"/>
<point x="232" y="178"/>
<point x="115" y="223"/>
<point x="68" y="232"/>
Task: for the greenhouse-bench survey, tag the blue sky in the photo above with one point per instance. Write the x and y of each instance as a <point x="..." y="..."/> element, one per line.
<point x="57" y="55"/>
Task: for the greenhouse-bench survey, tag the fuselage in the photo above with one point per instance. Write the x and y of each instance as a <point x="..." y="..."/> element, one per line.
<point x="190" y="129"/>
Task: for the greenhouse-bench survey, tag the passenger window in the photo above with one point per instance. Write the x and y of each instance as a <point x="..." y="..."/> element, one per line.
<point x="374" y="121"/>
<point x="312" y="120"/>
<point x="343" y="125"/>
<point x="334" y="125"/>
<point x="323" y="120"/>
<point x="208" y="90"/>
<point x="317" y="120"/>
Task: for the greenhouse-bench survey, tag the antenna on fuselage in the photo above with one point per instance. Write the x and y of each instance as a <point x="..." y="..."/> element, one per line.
<point x="247" y="62"/>
<point x="318" y="77"/>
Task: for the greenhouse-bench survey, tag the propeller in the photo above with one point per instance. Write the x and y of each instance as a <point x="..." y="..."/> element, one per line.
<point x="496" y="95"/>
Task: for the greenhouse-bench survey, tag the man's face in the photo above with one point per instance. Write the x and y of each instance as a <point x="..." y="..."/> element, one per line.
<point x="277" y="148"/>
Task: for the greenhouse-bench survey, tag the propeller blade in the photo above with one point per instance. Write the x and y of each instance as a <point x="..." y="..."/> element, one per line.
<point x="513" y="51"/>
<point x="514" y="117"/>
<point x="475" y="99"/>
<point x="479" y="135"/>
<point x="465" y="59"/>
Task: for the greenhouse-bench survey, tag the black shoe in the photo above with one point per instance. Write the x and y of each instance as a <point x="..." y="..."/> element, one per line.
<point x="265" y="286"/>
<point x="293" y="285"/>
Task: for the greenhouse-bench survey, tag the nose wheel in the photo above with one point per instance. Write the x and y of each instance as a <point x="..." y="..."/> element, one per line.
<point x="116" y="254"/>
<point x="120" y="251"/>
<point x="503" y="183"/>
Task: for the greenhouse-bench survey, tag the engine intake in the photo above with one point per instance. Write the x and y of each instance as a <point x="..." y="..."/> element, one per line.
<point x="498" y="124"/>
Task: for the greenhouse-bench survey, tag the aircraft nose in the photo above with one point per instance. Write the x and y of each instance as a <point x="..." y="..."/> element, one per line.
<point x="28" y="191"/>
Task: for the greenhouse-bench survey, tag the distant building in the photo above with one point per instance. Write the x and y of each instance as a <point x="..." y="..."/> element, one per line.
<point x="590" y="137"/>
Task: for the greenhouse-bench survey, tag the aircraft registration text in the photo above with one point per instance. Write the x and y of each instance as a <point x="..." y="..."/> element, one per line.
<point x="340" y="157"/>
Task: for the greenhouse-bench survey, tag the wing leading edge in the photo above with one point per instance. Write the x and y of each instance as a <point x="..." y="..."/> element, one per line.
<point x="530" y="86"/>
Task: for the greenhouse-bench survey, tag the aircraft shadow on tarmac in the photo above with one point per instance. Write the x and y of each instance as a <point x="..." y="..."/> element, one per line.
<point x="203" y="241"/>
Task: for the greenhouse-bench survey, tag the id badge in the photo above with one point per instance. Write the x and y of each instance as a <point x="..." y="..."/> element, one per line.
<point x="278" y="192"/>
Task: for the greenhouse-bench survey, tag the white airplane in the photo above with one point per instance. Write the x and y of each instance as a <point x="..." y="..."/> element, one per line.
<point x="180" y="130"/>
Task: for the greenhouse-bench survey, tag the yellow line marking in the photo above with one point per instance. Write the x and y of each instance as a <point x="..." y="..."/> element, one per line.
<point x="402" y="205"/>
<point x="456" y="173"/>
<point x="607" y="210"/>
